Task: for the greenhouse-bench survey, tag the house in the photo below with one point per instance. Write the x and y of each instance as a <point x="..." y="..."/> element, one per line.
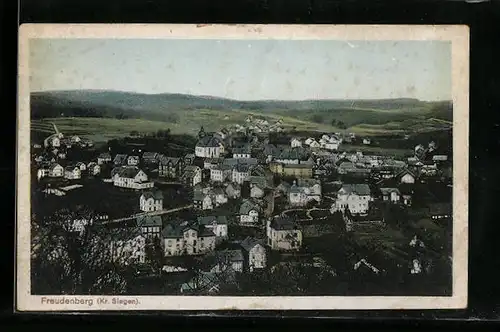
<point x="257" y="190"/>
<point x="240" y="173"/>
<point x="249" y="212"/>
<point x="81" y="166"/>
<point x="254" y="253"/>
<point x="304" y="191"/>
<point x="406" y="194"/>
<point x="103" y="158"/>
<point x="242" y="152"/>
<point x="303" y="170"/>
<point x="219" y="196"/>
<point x="390" y="195"/>
<point x="189" y="159"/>
<point x="217" y="224"/>
<point x="293" y="155"/>
<point x="353" y="197"/>
<point x="269" y="152"/>
<point x="130" y="177"/>
<point x="150" y="157"/>
<point x="42" y="172"/>
<point x="283" y="234"/>
<point x="346" y="167"/>
<point x="406" y="176"/>
<point x="72" y="173"/>
<point x="295" y="142"/>
<point x="203" y="201"/>
<point x="133" y="160"/>
<point x="56" y="171"/>
<point x="209" y="147"/>
<point x="127" y="246"/>
<point x="150" y="226"/>
<point x="151" y="200"/>
<point x="53" y="140"/>
<point x="439" y="158"/>
<point x="429" y="170"/>
<point x="211" y="163"/>
<point x="93" y="168"/>
<point x="367" y="141"/>
<point x="220" y="173"/>
<point x="120" y="159"/>
<point x="184" y="238"/>
<point x="170" y="167"/>
<point x="220" y="261"/>
<point x="191" y="175"/>
<point x="233" y="190"/>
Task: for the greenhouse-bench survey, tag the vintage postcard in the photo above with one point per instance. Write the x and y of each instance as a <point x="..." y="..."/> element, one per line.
<point x="242" y="167"/>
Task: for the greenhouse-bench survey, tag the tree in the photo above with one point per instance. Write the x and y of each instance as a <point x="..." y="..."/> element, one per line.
<point x="70" y="261"/>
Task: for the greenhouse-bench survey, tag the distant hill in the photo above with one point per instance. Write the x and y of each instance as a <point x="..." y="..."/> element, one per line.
<point x="189" y="111"/>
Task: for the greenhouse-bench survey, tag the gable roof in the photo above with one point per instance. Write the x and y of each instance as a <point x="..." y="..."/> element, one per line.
<point x="154" y="193"/>
<point x="177" y="230"/>
<point x="361" y="189"/>
<point x="247" y="206"/>
<point x="283" y="224"/>
<point x="129" y="172"/>
<point x="208" y="220"/>
<point x="299" y="153"/>
<point x="249" y="242"/>
<point x="148" y="221"/>
<point x="209" y="141"/>
<point x="387" y="191"/>
<point x="120" y="158"/>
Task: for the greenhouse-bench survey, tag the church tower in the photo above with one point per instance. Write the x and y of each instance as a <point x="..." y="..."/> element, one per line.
<point x="201" y="133"/>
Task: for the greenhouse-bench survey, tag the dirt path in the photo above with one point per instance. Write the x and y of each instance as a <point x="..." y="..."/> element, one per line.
<point x="308" y="213"/>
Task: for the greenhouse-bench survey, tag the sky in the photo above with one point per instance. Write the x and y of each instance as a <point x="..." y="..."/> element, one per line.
<point x="246" y="69"/>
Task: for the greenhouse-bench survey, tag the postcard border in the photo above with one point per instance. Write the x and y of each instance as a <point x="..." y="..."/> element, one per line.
<point x="458" y="35"/>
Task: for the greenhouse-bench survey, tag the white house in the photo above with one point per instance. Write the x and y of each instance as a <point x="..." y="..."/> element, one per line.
<point x="81" y="166"/>
<point x="240" y="173"/>
<point x="93" y="168"/>
<point x="192" y="175"/>
<point x="256" y="190"/>
<point x="255" y="254"/>
<point x="151" y="200"/>
<point x="354" y="197"/>
<point x="209" y="147"/>
<point x="133" y="160"/>
<point x="249" y="212"/>
<point x="220" y="173"/>
<point x="217" y="224"/>
<point x="367" y="141"/>
<point x="104" y="158"/>
<point x="130" y="177"/>
<point x="186" y="238"/>
<point x="295" y="142"/>
<point x="72" y="173"/>
<point x="283" y="234"/>
<point x="56" y="171"/>
<point x="203" y="201"/>
<point x="150" y="226"/>
<point x="406" y="176"/>
<point x="304" y="191"/>
<point x="390" y="195"/>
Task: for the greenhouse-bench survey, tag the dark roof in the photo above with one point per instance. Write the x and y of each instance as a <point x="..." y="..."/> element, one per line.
<point x="208" y="220"/>
<point x="147" y="221"/>
<point x="155" y="194"/>
<point x="104" y="155"/>
<point x="359" y="189"/>
<point x="247" y="206"/>
<point x="271" y="149"/>
<point x="242" y="149"/>
<point x="54" y="165"/>
<point x="299" y="153"/>
<point x="120" y="158"/>
<point x="126" y="171"/>
<point x="209" y="141"/>
<point x="166" y="160"/>
<point x="177" y="230"/>
<point x="387" y="191"/>
<point x="283" y="223"/>
<point x="249" y="242"/>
